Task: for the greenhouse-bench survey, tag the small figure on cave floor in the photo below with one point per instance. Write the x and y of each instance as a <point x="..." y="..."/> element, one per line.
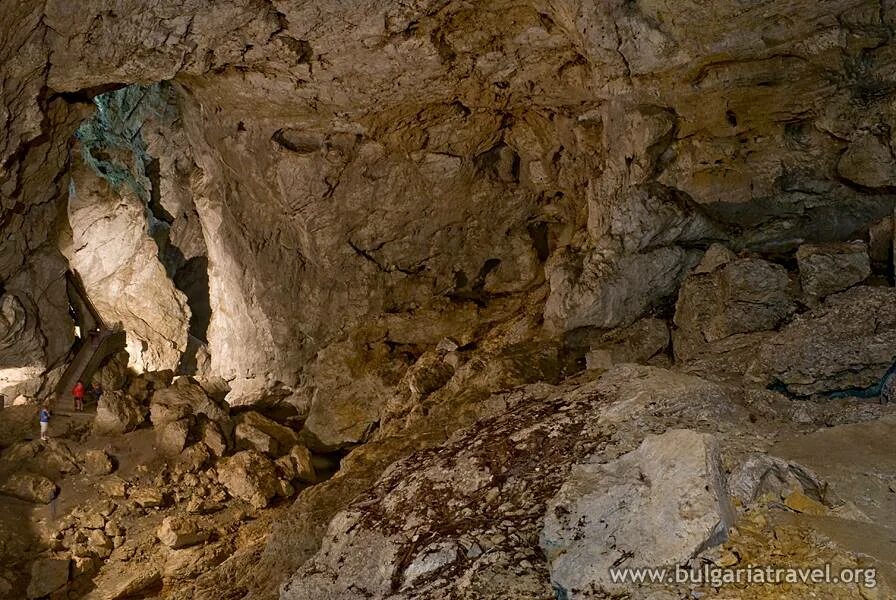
<point x="96" y="391"/>
<point x="44" y="422"/>
<point x="78" y="394"/>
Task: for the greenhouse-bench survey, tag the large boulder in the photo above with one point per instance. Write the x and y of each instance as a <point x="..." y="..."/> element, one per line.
<point x="256" y="432"/>
<point x="658" y="505"/>
<point x="113" y="375"/>
<point x="347" y="398"/>
<point x="249" y="476"/>
<point x="29" y="487"/>
<point x="185" y="396"/>
<point x="829" y="268"/>
<point x="47" y="576"/>
<point x="742" y="296"/>
<point x="117" y="413"/>
<point x="724" y="309"/>
<point x="847" y="342"/>
<point x="869" y="162"/>
<point x="143" y="385"/>
<point x="605" y="290"/>
<point x="298" y="464"/>
<point x="119" y="263"/>
<point x="171" y="437"/>
<point x="211" y="435"/>
<point x="96" y="462"/>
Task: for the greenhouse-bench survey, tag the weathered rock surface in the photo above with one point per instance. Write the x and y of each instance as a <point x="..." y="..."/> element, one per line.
<point x="171" y="437"/>
<point x="113" y="375"/>
<point x="607" y="291"/>
<point x="256" y="432"/>
<point x="118" y="262"/>
<point x="373" y="549"/>
<point x="723" y="307"/>
<point x="829" y="268"/>
<point x="395" y="173"/>
<point x="659" y="505"/>
<point x="347" y="399"/>
<point x="180" y="532"/>
<point x="117" y="412"/>
<point x="637" y="343"/>
<point x="29" y="487"/>
<point x="186" y="397"/>
<point x="47" y="576"/>
<point x="249" y="476"/>
<point x="847" y="342"/>
<point x="211" y="436"/>
<point x="96" y="462"/>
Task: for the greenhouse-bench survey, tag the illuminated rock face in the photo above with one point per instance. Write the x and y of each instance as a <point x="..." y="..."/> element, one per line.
<point x="331" y="209"/>
<point x="119" y="265"/>
<point x="330" y="163"/>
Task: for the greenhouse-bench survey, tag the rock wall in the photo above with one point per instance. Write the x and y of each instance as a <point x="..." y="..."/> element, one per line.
<point x="365" y="158"/>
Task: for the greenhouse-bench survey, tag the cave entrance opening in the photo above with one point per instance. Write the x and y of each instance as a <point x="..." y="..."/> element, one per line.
<point x="136" y="236"/>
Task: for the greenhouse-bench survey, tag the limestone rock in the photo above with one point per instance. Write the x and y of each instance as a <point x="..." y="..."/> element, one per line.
<point x="180" y="532"/>
<point x="96" y="462"/>
<point x="113" y="375"/>
<point x="831" y="455"/>
<point x="99" y="543"/>
<point x="118" y="413"/>
<point x="347" y="399"/>
<point x="160" y="414"/>
<point x="428" y="374"/>
<point x="47" y="576"/>
<point x="880" y="241"/>
<point x="716" y="256"/>
<point x="143" y="385"/>
<point x="829" y="268"/>
<point x="250" y="438"/>
<point x="636" y="343"/>
<point x="607" y="292"/>
<point x="171" y="438"/>
<point x="84" y="566"/>
<point x="835" y="346"/>
<point x="114" y="487"/>
<point x="187" y="397"/>
<point x="299" y="464"/>
<point x="119" y="264"/>
<point x="125" y="581"/>
<point x="256" y="432"/>
<point x="193" y="458"/>
<point x="194" y="561"/>
<point x="147" y="497"/>
<point x="29" y="487"/>
<point x="719" y="313"/>
<point x="659" y="505"/>
<point x="249" y="476"/>
<point x="211" y="436"/>
<point x="762" y="474"/>
<point x="868" y="162"/>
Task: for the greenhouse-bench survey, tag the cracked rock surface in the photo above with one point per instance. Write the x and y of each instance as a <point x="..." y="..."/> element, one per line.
<point x="453" y="251"/>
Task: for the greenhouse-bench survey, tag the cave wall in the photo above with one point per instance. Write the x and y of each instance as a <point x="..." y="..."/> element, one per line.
<point x="366" y="158"/>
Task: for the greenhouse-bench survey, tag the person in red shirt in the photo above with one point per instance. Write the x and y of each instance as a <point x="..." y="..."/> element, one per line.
<point x="78" y="394"/>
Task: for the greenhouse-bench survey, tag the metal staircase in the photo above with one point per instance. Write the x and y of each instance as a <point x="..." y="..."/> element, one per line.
<point x="99" y="341"/>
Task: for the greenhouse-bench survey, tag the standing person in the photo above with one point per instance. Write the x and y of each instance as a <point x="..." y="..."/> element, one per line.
<point x="96" y="391"/>
<point x="44" y="422"/>
<point x="78" y="394"/>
